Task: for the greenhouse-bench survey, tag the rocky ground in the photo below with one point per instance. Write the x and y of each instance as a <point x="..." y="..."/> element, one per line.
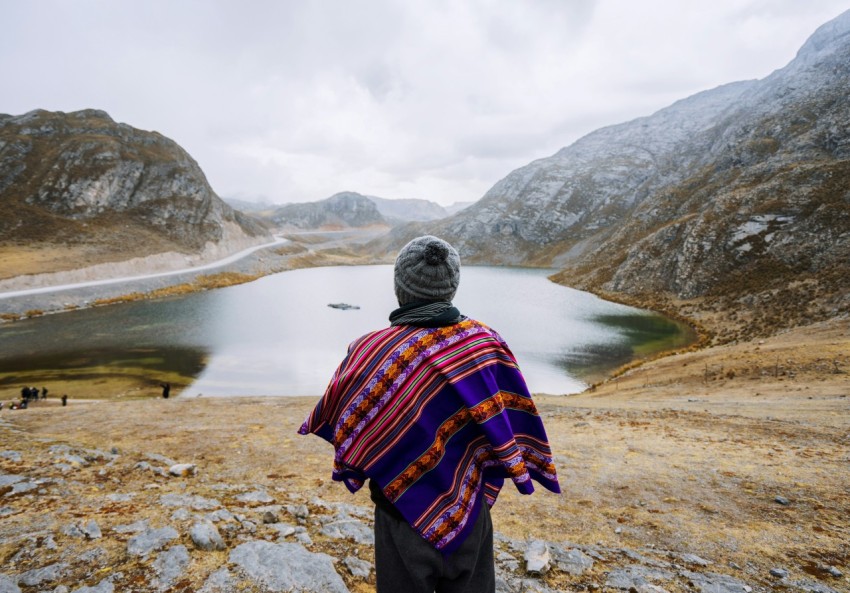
<point x="677" y="477"/>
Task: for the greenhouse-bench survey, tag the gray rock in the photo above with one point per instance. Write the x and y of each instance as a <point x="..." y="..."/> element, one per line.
<point x="284" y="529"/>
<point x="635" y="576"/>
<point x="182" y="470"/>
<point x="93" y="556"/>
<point x="138" y="526"/>
<point x="304" y="539"/>
<point x="779" y="573"/>
<point x="91" y="530"/>
<point x="809" y="586"/>
<point x="572" y="561"/>
<point x="181" y="515"/>
<point x="150" y="541"/>
<point x="220" y="515"/>
<point x="206" y="537"/>
<point x="73" y="531"/>
<point x="249" y="526"/>
<point x="351" y="529"/>
<point x="221" y="581"/>
<point x="269" y="517"/>
<point x="286" y="567"/>
<point x="299" y="511"/>
<point x="258" y="496"/>
<point x="357" y="567"/>
<point x="170" y="566"/>
<point x="782" y="500"/>
<point x="161" y="459"/>
<point x="13" y="456"/>
<point x="534" y="586"/>
<point x="710" y="582"/>
<point x="694" y="559"/>
<point x="75" y="461"/>
<point x="7" y="511"/>
<point x="537" y="557"/>
<point x="46" y="574"/>
<point x="22" y="487"/>
<point x="198" y="503"/>
<point x="832" y="571"/>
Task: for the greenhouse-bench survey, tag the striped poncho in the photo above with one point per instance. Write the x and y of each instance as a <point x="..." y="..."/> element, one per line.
<point x="437" y="418"/>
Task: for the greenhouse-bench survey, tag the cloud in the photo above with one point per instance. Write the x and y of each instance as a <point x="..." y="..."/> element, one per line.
<point x="295" y="101"/>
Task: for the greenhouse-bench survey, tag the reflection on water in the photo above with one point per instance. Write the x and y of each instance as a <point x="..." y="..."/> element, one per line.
<point x="277" y="336"/>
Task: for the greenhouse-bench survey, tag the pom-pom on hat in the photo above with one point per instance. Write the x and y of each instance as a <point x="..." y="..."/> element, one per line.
<point x="426" y="269"/>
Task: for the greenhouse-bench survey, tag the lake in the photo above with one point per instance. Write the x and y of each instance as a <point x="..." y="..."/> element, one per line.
<point x="277" y="335"/>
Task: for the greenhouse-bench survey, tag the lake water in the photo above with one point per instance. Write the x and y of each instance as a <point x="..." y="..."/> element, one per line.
<point x="277" y="336"/>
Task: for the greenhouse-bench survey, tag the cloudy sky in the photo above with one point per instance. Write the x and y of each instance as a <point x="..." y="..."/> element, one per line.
<point x="289" y="101"/>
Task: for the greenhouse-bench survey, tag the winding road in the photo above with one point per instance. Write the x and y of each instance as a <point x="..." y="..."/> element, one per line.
<point x="218" y="263"/>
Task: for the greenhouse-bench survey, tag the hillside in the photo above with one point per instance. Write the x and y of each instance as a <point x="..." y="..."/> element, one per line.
<point x="734" y="201"/>
<point x="340" y="211"/>
<point x="79" y="189"/>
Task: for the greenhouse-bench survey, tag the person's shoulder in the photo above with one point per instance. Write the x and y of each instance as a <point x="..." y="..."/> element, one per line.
<point x="378" y="335"/>
<point x="479" y="325"/>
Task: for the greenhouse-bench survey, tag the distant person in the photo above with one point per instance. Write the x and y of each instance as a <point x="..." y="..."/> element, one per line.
<point x="434" y="412"/>
<point x="166" y="389"/>
<point x="64" y="399"/>
<point x="44" y="393"/>
<point x="34" y="393"/>
<point x="25" y="393"/>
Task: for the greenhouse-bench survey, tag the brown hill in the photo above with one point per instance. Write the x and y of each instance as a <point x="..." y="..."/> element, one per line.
<point x="78" y="189"/>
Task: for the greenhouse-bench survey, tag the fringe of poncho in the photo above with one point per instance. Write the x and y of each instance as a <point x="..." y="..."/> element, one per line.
<point x="438" y="418"/>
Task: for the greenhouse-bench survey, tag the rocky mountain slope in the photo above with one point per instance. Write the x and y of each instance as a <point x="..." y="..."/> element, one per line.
<point x="406" y="210"/>
<point x="740" y="193"/>
<point x="342" y="210"/>
<point x="104" y="191"/>
<point x="347" y="210"/>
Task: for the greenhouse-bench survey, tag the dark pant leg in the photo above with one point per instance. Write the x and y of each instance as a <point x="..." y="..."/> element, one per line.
<point x="406" y="563"/>
<point x="471" y="568"/>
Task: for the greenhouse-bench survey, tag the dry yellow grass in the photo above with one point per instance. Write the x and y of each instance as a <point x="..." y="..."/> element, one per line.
<point x="666" y="456"/>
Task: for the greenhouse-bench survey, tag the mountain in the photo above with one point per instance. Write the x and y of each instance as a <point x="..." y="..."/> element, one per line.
<point x="94" y="190"/>
<point x="407" y="210"/>
<point x="740" y="193"/>
<point x="340" y="211"/>
<point x="344" y="210"/>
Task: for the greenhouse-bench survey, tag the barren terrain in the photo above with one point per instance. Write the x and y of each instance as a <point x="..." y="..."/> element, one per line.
<point x="737" y="454"/>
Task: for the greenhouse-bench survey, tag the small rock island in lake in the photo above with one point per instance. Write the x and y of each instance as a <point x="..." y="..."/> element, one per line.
<point x="343" y="306"/>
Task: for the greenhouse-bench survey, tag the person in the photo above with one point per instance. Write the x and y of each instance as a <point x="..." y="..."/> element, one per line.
<point x="64" y="399"/>
<point x="44" y="393"/>
<point x="435" y="414"/>
<point x="166" y="389"/>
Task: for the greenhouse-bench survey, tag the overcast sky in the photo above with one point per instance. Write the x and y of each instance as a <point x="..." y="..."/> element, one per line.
<point x="290" y="101"/>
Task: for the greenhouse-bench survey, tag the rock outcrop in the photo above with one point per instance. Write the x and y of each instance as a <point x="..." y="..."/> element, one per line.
<point x="80" y="178"/>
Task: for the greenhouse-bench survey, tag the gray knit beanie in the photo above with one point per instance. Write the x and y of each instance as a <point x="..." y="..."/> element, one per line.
<point x="426" y="269"/>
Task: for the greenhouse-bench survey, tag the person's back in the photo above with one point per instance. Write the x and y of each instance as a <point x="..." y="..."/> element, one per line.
<point x="435" y="413"/>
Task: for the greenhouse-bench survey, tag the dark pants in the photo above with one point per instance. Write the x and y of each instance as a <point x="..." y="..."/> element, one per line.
<point x="404" y="562"/>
